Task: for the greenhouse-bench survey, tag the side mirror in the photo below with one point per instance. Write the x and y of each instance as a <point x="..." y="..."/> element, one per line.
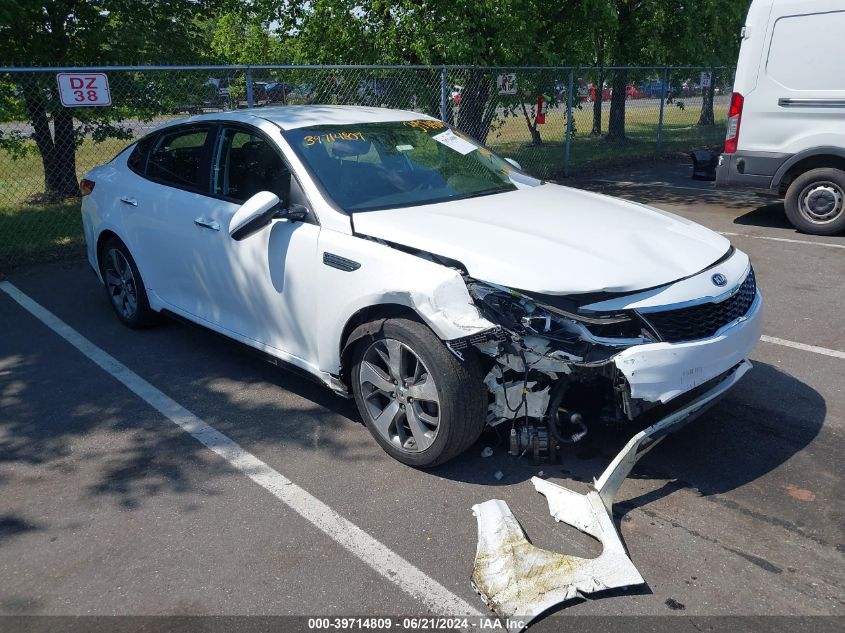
<point x="254" y="214"/>
<point x="514" y="163"/>
<point x="294" y="213"/>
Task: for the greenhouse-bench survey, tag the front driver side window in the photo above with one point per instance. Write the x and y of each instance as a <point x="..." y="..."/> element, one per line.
<point x="246" y="164"/>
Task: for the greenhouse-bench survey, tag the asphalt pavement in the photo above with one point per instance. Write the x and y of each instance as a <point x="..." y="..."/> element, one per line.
<point x="108" y="507"/>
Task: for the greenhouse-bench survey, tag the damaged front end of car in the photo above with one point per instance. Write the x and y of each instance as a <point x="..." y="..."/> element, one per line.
<point x="551" y="372"/>
<point x="557" y="367"/>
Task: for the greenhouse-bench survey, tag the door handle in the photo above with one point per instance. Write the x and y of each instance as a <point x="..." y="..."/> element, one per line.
<point x="207" y="224"/>
<point x="129" y="200"/>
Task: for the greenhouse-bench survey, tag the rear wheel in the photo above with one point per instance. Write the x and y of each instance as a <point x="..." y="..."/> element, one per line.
<point x="420" y="403"/>
<point x="815" y="202"/>
<point x="124" y="286"/>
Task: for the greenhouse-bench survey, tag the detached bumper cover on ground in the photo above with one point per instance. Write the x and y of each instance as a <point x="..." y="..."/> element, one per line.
<point x="519" y="581"/>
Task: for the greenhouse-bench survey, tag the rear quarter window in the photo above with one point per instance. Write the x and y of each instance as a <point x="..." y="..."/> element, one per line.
<point x="176" y="156"/>
<point x="807" y="52"/>
<point x="137" y="161"/>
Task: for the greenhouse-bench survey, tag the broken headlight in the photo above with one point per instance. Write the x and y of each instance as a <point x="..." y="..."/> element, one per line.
<point x="523" y="315"/>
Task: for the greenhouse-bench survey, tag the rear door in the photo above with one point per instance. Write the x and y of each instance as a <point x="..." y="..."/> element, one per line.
<point x="160" y="215"/>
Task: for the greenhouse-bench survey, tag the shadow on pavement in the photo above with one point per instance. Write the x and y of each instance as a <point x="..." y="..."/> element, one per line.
<point x="770" y="215"/>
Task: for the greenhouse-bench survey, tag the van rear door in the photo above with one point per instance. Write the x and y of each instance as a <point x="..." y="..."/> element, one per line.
<point x="797" y="100"/>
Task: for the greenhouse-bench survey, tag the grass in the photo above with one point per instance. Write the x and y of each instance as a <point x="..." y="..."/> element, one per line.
<point x="31" y="233"/>
<point x="23" y="177"/>
<point x="35" y="233"/>
<point x="680" y="133"/>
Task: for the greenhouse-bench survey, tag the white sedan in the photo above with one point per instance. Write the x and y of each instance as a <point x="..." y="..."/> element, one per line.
<point x="396" y="260"/>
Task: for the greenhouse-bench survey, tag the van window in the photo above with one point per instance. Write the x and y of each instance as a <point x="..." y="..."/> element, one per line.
<point x="806" y="52"/>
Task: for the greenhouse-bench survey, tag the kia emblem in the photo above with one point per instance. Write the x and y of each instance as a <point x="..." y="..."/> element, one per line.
<point x="719" y="279"/>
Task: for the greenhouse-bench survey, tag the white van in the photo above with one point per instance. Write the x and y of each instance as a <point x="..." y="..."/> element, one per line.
<point x="786" y="124"/>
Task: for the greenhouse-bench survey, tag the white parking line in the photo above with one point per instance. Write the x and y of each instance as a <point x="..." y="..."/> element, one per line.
<point x="803" y="346"/>
<point x="372" y="552"/>
<point x="781" y="239"/>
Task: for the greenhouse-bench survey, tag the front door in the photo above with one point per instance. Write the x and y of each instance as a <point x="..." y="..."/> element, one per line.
<point x="258" y="288"/>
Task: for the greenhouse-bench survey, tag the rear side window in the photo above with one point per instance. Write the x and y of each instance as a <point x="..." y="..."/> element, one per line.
<point x="138" y="158"/>
<point x="806" y="52"/>
<point x="176" y="158"/>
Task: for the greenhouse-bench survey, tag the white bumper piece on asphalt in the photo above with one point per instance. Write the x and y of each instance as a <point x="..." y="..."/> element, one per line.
<point x="519" y="581"/>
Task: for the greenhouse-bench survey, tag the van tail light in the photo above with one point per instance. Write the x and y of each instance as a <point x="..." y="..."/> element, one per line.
<point x="734" y="118"/>
<point x="86" y="186"/>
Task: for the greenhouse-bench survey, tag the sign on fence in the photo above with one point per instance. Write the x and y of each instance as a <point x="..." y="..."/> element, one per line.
<point x="506" y="84"/>
<point x="705" y="80"/>
<point x="84" y="89"/>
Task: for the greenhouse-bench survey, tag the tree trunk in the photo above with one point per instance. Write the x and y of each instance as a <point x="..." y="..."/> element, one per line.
<point x="532" y="125"/>
<point x="64" y="179"/>
<point x="57" y="149"/>
<point x="707" y="117"/>
<point x="597" y="103"/>
<point x="474" y="117"/>
<point x="616" y="124"/>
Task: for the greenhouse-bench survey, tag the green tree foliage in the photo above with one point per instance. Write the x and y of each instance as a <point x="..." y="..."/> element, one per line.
<point x="670" y="32"/>
<point x="241" y="39"/>
<point x="465" y="32"/>
<point x="90" y="32"/>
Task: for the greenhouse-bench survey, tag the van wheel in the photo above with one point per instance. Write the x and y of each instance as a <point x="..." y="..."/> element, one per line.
<point x="815" y="202"/>
<point x="419" y="402"/>
<point x="124" y="286"/>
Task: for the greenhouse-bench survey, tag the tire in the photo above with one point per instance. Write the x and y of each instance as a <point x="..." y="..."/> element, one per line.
<point x="429" y="371"/>
<point x="123" y="283"/>
<point x="815" y="202"/>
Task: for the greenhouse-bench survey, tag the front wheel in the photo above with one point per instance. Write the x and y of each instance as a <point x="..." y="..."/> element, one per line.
<point x="423" y="405"/>
<point x="815" y="202"/>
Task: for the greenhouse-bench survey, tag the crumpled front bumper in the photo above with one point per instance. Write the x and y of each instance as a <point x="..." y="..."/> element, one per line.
<point x="659" y="372"/>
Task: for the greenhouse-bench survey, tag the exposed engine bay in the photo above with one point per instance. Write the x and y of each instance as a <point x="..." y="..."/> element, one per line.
<point x="550" y="371"/>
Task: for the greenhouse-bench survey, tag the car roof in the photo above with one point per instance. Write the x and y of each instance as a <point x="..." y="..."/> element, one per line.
<point x="292" y="117"/>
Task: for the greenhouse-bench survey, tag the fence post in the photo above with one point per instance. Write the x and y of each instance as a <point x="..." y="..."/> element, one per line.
<point x="250" y="101"/>
<point x="444" y="103"/>
<point x="663" y="92"/>
<point x="569" y="87"/>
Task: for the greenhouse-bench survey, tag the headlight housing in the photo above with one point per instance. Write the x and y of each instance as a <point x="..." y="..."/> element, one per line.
<point x="521" y="314"/>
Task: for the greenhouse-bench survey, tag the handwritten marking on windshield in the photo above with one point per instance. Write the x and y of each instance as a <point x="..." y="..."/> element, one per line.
<point x="331" y="137"/>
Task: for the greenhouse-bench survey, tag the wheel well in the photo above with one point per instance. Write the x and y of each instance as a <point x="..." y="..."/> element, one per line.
<point x="105" y="235"/>
<point x="355" y="329"/>
<point x="806" y="164"/>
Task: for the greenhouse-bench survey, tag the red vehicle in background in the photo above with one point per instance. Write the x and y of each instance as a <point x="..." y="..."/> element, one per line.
<point x="605" y="92"/>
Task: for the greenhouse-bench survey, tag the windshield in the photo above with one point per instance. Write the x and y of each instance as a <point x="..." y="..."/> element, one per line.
<point x="369" y="166"/>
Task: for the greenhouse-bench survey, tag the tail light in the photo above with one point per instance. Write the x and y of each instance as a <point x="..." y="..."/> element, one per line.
<point x="734" y="117"/>
<point x="86" y="186"/>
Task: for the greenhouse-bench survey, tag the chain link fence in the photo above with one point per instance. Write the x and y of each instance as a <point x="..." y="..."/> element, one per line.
<point x="554" y="121"/>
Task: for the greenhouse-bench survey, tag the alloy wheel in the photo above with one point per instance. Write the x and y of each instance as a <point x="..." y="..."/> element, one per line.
<point x="121" y="284"/>
<point x="400" y="395"/>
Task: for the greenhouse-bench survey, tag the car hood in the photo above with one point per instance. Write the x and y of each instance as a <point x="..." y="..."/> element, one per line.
<point x="553" y="240"/>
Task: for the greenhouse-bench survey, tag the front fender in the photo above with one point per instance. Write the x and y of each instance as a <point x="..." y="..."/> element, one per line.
<point x="387" y="276"/>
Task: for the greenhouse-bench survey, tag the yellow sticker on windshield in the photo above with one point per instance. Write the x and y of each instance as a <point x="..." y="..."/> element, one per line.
<point x="331" y="137"/>
<point x="425" y="124"/>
